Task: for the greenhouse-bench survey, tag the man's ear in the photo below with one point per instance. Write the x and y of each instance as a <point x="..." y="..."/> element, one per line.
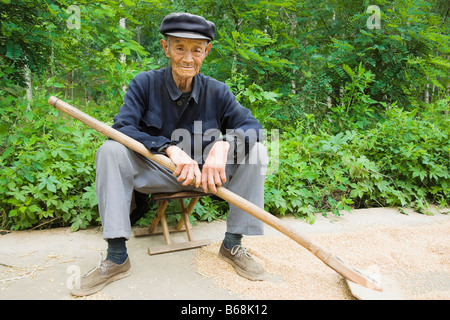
<point x="165" y="47"/>
<point x="208" y="48"/>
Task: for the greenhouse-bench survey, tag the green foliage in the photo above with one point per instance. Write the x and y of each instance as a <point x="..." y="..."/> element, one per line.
<point x="413" y="149"/>
<point x="263" y="104"/>
<point x="209" y="209"/>
<point x="362" y="113"/>
<point x="355" y="108"/>
<point x="403" y="161"/>
<point x="47" y="170"/>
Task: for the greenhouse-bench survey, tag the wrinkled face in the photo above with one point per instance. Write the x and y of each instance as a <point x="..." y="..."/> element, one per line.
<point x="186" y="55"/>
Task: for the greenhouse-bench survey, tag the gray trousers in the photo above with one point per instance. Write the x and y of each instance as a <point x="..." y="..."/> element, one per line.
<point x="120" y="170"/>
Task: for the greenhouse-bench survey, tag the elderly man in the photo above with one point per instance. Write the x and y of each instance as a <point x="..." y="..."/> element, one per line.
<point x="195" y="121"/>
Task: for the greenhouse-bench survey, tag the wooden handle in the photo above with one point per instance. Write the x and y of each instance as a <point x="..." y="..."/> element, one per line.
<point x="320" y="252"/>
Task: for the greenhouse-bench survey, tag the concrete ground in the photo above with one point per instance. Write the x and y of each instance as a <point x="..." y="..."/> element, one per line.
<point x="41" y="264"/>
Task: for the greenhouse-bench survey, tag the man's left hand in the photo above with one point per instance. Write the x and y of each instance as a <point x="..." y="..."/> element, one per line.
<point x="213" y="171"/>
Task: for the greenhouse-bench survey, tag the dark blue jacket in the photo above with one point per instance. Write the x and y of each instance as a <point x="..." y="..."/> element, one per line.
<point x="154" y="114"/>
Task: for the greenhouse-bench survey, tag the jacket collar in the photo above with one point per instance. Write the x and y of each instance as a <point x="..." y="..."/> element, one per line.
<point x="176" y="93"/>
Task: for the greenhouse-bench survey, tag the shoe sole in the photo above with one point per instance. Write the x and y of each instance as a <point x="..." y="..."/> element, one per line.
<point x="242" y="272"/>
<point x="97" y="288"/>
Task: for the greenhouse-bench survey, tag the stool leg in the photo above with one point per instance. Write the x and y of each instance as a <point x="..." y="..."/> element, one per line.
<point x="162" y="206"/>
<point x="189" y="208"/>
<point x="162" y="217"/>
<point x="186" y="212"/>
<point x="185" y="218"/>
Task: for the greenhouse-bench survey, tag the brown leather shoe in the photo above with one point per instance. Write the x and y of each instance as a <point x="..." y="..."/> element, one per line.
<point x="96" y="279"/>
<point x="242" y="262"/>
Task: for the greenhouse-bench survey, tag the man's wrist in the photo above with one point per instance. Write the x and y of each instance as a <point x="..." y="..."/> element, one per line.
<point x="170" y="149"/>
<point x="164" y="147"/>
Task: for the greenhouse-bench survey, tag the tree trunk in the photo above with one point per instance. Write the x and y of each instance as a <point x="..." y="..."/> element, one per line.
<point x="29" y="90"/>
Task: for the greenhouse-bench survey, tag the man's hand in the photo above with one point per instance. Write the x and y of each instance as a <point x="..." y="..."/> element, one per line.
<point x="187" y="169"/>
<point x="213" y="172"/>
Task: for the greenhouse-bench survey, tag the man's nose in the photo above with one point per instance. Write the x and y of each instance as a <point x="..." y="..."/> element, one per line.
<point x="188" y="57"/>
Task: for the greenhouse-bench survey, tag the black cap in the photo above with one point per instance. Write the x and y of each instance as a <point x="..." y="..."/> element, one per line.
<point x="186" y="25"/>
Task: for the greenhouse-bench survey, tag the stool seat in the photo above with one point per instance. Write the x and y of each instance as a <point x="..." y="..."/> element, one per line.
<point x="162" y="200"/>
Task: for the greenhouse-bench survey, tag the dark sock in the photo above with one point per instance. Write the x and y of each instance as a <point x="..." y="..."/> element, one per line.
<point x="117" y="250"/>
<point x="231" y="240"/>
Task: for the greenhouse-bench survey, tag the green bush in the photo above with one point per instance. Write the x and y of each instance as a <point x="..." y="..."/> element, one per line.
<point x="47" y="169"/>
<point x="413" y="150"/>
<point x="402" y="161"/>
<point x="313" y="70"/>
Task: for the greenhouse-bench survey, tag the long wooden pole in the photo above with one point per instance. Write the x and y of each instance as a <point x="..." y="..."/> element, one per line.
<point x="323" y="254"/>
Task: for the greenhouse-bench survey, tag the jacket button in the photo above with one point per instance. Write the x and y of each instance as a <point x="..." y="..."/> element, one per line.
<point x="179" y="103"/>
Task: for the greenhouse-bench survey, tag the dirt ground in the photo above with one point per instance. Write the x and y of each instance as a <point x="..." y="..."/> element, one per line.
<point x="412" y="249"/>
<point x="418" y="258"/>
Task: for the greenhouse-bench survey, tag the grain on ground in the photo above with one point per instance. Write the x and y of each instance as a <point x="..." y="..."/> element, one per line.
<point x="417" y="257"/>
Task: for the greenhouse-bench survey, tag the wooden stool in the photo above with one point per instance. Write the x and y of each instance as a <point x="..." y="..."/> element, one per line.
<point x="162" y="200"/>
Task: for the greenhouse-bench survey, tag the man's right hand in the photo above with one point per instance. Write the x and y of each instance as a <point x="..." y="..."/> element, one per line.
<point x="187" y="169"/>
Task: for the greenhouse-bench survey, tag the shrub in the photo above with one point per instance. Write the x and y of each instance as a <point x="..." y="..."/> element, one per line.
<point x="412" y="149"/>
<point x="47" y="169"/>
<point x="402" y="161"/>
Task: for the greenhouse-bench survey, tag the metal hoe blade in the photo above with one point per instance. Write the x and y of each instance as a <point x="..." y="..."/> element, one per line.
<point x="390" y="288"/>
